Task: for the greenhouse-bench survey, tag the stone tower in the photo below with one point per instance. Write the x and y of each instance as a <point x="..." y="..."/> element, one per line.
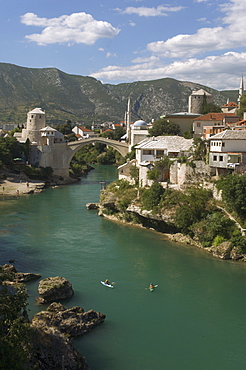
<point x="196" y="99"/>
<point x="36" y="120"/>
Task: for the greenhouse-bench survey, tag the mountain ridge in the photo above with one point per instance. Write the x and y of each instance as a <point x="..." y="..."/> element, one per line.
<point x="84" y="99"/>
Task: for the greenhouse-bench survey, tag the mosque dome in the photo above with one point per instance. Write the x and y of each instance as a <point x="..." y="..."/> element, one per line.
<point x="139" y="123"/>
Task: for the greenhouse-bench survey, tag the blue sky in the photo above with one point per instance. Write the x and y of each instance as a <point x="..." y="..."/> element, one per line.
<point x="119" y="41"/>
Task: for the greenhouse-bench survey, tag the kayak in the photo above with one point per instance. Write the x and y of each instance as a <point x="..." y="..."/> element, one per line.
<point x="108" y="285"/>
<point x="152" y="289"/>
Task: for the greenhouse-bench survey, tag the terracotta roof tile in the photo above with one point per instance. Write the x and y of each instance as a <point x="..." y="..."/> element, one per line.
<point x="230" y="104"/>
<point x="214" y="116"/>
<point x="84" y="129"/>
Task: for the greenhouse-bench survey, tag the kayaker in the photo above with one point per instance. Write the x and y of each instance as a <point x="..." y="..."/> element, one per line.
<point x="107" y="282"/>
<point x="151" y="286"/>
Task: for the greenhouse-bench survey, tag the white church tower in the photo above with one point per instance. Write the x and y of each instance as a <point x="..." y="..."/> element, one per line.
<point x="128" y="121"/>
<point x="241" y="91"/>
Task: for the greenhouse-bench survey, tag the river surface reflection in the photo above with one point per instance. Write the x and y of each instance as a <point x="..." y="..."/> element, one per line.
<point x="195" y="319"/>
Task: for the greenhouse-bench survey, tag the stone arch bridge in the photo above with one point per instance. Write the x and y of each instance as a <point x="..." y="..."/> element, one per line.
<point x="60" y="155"/>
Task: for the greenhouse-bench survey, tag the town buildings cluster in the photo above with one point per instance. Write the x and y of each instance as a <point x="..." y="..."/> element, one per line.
<point x="224" y="133"/>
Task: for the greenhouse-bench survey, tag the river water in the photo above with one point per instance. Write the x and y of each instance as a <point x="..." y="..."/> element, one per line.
<point x="195" y="319"/>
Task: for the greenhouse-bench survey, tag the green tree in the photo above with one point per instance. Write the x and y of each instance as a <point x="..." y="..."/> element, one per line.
<point x="65" y="128"/>
<point x="242" y="107"/>
<point x="132" y="154"/>
<point x="209" y="107"/>
<point x="108" y="134"/>
<point x="118" y="133"/>
<point x="152" y="197"/>
<point x="107" y="158"/>
<point x="233" y="189"/>
<point x="193" y="206"/>
<point x="153" y="174"/>
<point x="134" y="173"/>
<point x="163" y="127"/>
<point x="10" y="148"/>
<point x="200" y="149"/>
<point x="188" y="134"/>
<point x="159" y="166"/>
<point x="13" y="328"/>
<point x="213" y="225"/>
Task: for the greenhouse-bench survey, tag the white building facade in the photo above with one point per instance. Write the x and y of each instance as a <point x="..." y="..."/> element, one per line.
<point x="228" y="151"/>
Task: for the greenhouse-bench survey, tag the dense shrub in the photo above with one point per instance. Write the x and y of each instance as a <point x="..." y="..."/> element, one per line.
<point x="239" y="241"/>
<point x="215" y="225"/>
<point x="233" y="189"/>
<point x="193" y="206"/>
<point x="10" y="148"/>
<point x="150" y="198"/>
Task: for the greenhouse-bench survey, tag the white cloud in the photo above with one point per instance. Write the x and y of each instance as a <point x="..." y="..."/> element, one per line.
<point x="69" y="29"/>
<point x="208" y="39"/>
<point x="160" y="10"/>
<point x="214" y="71"/>
<point x="204" y="20"/>
<point x="146" y="59"/>
<point x="109" y="55"/>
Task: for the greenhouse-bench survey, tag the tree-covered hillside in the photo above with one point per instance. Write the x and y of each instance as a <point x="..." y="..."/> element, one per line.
<point x="85" y="99"/>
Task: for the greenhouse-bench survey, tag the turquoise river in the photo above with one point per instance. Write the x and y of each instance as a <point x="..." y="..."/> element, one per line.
<point x="195" y="319"/>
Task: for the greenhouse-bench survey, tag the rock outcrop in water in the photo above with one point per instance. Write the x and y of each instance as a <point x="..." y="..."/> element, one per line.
<point x="53" y="289"/>
<point x="47" y="336"/>
<point x="12" y="276"/>
<point x="51" y="348"/>
<point x="73" y="321"/>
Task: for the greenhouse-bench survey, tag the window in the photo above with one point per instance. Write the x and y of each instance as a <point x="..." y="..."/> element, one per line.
<point x="221" y="158"/>
<point x="159" y="153"/>
<point x="198" y="124"/>
<point x="147" y="152"/>
<point x="215" y="158"/>
<point x="223" y="144"/>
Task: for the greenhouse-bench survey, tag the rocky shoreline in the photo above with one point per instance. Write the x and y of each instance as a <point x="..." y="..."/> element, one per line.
<point x="224" y="251"/>
<point x="51" y="330"/>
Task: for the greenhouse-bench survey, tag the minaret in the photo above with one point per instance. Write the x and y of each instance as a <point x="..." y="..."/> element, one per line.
<point x="128" y="121"/>
<point x="241" y="91"/>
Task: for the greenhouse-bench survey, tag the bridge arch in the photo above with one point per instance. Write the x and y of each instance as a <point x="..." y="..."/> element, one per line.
<point x="74" y="146"/>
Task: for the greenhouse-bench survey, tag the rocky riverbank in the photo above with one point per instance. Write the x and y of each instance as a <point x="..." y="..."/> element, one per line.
<point x="50" y="331"/>
<point x="161" y="223"/>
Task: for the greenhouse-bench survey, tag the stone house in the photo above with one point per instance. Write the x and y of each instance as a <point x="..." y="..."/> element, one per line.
<point x="227" y="151"/>
<point x="211" y="123"/>
<point x="229" y="107"/>
<point x="155" y="148"/>
<point x="82" y="132"/>
<point x="152" y="149"/>
<point x="183" y="119"/>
